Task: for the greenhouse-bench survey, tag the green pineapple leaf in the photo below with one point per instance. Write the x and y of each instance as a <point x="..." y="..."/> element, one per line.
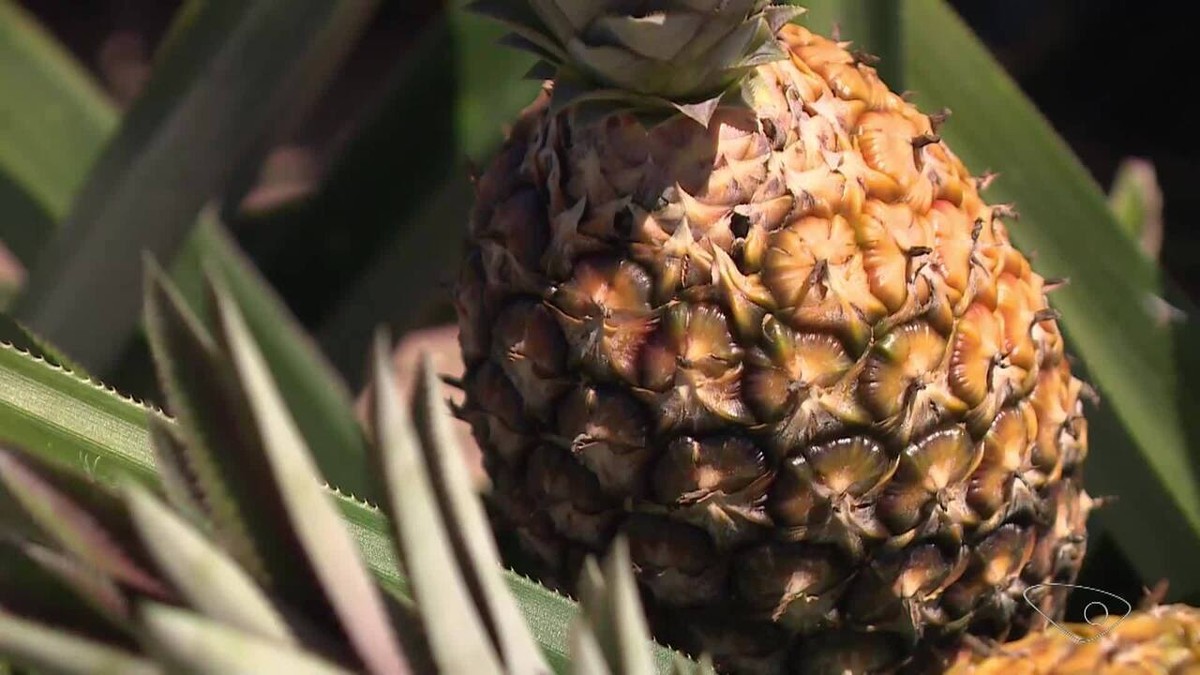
<point x="58" y="651"/>
<point x="70" y="436"/>
<point x="194" y="644"/>
<point x="1137" y="201"/>
<point x="38" y="584"/>
<point x="56" y="120"/>
<point x="316" y="397"/>
<point x="457" y="637"/>
<point x="612" y="610"/>
<point x="205" y="575"/>
<point x="226" y="76"/>
<point x="86" y="523"/>
<point x="466" y="523"/>
<point x="322" y="539"/>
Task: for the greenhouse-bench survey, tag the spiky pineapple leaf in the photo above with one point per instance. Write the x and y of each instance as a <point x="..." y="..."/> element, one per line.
<point x="180" y="485"/>
<point x="55" y="122"/>
<point x="100" y="593"/>
<point x="77" y="423"/>
<point x="1114" y="311"/>
<point x="87" y="530"/>
<point x="34" y="587"/>
<point x="467" y="527"/>
<point x="218" y="87"/>
<point x="316" y="397"/>
<point x="324" y="540"/>
<point x="207" y="577"/>
<point x="61" y="417"/>
<point x="457" y="636"/>
<point x="612" y="610"/>
<point x="198" y="645"/>
<point x="34" y="645"/>
<point x="586" y="656"/>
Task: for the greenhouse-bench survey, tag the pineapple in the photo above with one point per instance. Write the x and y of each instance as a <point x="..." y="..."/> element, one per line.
<point x="727" y="295"/>
<point x="1164" y="639"/>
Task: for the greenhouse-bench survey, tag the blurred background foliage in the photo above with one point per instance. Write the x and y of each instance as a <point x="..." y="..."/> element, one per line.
<point x="347" y="183"/>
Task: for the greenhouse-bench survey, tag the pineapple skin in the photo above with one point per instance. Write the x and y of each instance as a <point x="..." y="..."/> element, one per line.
<point x="1163" y="639"/>
<point x="793" y="357"/>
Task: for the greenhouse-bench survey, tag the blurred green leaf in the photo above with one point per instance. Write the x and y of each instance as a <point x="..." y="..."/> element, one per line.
<point x="453" y="624"/>
<point x="203" y="573"/>
<point x="74" y="527"/>
<point x="202" y="646"/>
<point x="34" y="645"/>
<point x="467" y="524"/>
<point x="323" y="540"/>
<point x="1137" y="202"/>
<point x="1144" y="366"/>
<point x="77" y="423"/>
<point x="223" y="82"/>
<point x="53" y="122"/>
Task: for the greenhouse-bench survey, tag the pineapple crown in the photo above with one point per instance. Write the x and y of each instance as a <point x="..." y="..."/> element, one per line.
<point x="647" y="57"/>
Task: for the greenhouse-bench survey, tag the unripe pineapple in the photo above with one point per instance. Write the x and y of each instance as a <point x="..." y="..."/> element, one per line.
<point x="729" y="295"/>
<point x="1164" y="639"/>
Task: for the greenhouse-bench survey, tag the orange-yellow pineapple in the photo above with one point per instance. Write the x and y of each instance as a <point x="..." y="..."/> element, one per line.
<point x="1164" y="639"/>
<point x="727" y="294"/>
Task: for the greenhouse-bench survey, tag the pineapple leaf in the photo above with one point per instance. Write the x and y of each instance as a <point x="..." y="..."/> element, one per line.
<point x="13" y="333"/>
<point x="317" y="398"/>
<point x="323" y="540"/>
<point x="63" y="418"/>
<point x="180" y="485"/>
<point x="93" y="587"/>
<point x="75" y="527"/>
<point x="220" y="441"/>
<point x="59" y="417"/>
<point x="56" y="120"/>
<point x="586" y="655"/>
<point x="204" y="575"/>
<point x="40" y="647"/>
<point x="467" y="527"/>
<point x="457" y="637"/>
<point x="199" y="645"/>
<point x="31" y="589"/>
<point x="221" y="83"/>
<point x="612" y="611"/>
<point x="1120" y="316"/>
<point x="1137" y="202"/>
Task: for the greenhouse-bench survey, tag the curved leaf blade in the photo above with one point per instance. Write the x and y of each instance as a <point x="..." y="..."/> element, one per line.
<point x="210" y="580"/>
<point x="325" y="541"/>
<point x="200" y="645"/>
<point x="453" y="626"/>
<point x="38" y="646"/>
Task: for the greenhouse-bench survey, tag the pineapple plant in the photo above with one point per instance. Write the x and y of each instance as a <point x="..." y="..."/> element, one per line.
<point x="237" y="559"/>
<point x="728" y="296"/>
<point x="1162" y="639"/>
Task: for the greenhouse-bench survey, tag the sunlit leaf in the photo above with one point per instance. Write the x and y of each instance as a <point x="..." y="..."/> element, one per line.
<point x="453" y="626"/>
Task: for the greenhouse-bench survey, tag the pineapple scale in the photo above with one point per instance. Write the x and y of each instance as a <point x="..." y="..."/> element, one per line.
<point x="792" y="357"/>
